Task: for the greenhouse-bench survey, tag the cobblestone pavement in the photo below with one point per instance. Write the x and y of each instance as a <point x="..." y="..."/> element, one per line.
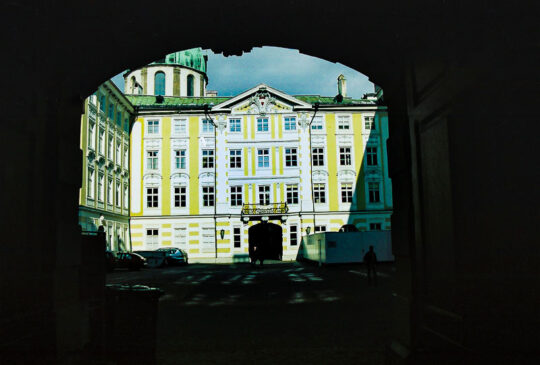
<point x="281" y="313"/>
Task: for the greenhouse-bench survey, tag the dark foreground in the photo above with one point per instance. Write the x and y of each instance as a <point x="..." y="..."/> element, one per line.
<point x="282" y="313"/>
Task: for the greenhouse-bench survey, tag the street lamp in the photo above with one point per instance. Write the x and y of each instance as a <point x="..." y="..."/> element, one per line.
<point x="308" y="229"/>
<point x="207" y="116"/>
<point x="222" y="233"/>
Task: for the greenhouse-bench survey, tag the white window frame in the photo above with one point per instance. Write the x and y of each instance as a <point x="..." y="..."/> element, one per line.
<point x="152" y="197"/>
<point x="101" y="141"/>
<point x="370" y="184"/>
<point x="372" y="153"/>
<point x="110" y="150"/>
<point x="235" y="125"/>
<point x="235" y="192"/>
<point x="110" y="191"/>
<point x="237" y="235"/>
<point x="235" y="158"/>
<point x="180" y="236"/>
<point x="318" y="154"/>
<point x="264" y="158"/>
<point x="319" y="194"/>
<point x="372" y="228"/>
<point x="261" y="189"/>
<point x="343" y="123"/>
<point x="101" y="187"/>
<point x="152" y="236"/>
<point x="118" y="192"/>
<point x="152" y="160"/>
<point x="153" y="127"/>
<point x="126" y="196"/>
<point x="118" y="152"/>
<point x="293" y="156"/>
<point x="320" y="228"/>
<point x="92" y="134"/>
<point x="293" y="232"/>
<point x="346" y="188"/>
<point x="210" y="196"/>
<point x="369" y="123"/>
<point x="318" y="124"/>
<point x="294" y="192"/>
<point x="350" y="155"/>
<point x="180" y="126"/>
<point x="209" y="158"/>
<point x="207" y="126"/>
<point x="289" y="124"/>
<point x="90" y="189"/>
<point x="180" y="159"/>
<point x="265" y="122"/>
<point x="180" y="194"/>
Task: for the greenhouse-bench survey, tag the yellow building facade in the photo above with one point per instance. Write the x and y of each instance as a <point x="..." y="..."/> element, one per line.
<point x="104" y="193"/>
<point x="205" y="169"/>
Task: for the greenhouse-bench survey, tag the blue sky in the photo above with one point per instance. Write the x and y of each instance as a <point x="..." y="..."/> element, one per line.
<point x="284" y="69"/>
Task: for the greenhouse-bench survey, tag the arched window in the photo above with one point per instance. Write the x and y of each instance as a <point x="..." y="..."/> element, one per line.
<point x="159" y="83"/>
<point x="190" y="81"/>
<point x="133" y="84"/>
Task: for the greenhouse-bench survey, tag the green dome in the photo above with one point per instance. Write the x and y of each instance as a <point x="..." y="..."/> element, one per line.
<point x="193" y="58"/>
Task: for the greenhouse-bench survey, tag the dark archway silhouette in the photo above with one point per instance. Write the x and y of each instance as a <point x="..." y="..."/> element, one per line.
<point x="268" y="238"/>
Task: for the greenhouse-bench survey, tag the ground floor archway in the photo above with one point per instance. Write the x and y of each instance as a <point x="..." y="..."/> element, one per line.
<point x="265" y="241"/>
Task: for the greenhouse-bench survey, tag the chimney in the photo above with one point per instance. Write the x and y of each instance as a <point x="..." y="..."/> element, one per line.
<point x="342" y="85"/>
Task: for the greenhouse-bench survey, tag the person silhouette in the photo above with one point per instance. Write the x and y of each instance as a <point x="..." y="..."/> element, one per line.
<point x="370" y="259"/>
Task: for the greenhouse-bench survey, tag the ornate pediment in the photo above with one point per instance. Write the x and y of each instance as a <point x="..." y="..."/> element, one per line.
<point x="152" y="179"/>
<point x="179" y="177"/>
<point x="261" y="102"/>
<point x="320" y="175"/>
<point x="346" y="175"/>
<point x="152" y="143"/>
<point x="177" y="143"/>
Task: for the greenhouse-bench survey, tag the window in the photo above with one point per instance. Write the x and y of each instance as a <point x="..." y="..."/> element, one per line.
<point x="318" y="156"/>
<point x="372" y="156"/>
<point x="117" y="196"/>
<point x="292" y="194"/>
<point x="207" y="159"/>
<point x="263" y="157"/>
<point x="126" y="157"/>
<point x="152" y="196"/>
<point x="317" y="123"/>
<point x="180" y="236"/>
<point x="101" y="187"/>
<point x="110" y="151"/>
<point x="264" y="194"/>
<point x="346" y="193"/>
<point x="153" y="127"/>
<point x="208" y="196"/>
<point x="102" y="103"/>
<point x="319" y="193"/>
<point x="369" y="123"/>
<point x="237" y="237"/>
<point x="291" y="158"/>
<point x="190" y="86"/>
<point x="109" y="191"/>
<point x="180" y="197"/>
<point x="101" y="141"/>
<point x="320" y="229"/>
<point x="180" y="159"/>
<point x="90" y="187"/>
<point x="180" y="126"/>
<point x="126" y="124"/>
<point x="118" y="152"/>
<point x="236" y="196"/>
<point x="159" y="83"/>
<point x="119" y="118"/>
<point x="262" y="124"/>
<point x="345" y="156"/>
<point x="152" y="237"/>
<point x="152" y="160"/>
<point x="373" y="188"/>
<point x="290" y="123"/>
<point x="110" y="114"/>
<point x="207" y="126"/>
<point x="92" y="134"/>
<point x="374" y="226"/>
<point x="235" y="159"/>
<point x="293" y="235"/>
<point x="235" y="125"/>
<point x="126" y="198"/>
<point x="343" y="123"/>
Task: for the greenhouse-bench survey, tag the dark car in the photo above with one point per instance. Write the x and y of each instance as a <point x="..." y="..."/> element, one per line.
<point x="129" y="260"/>
<point x="348" y="228"/>
<point x="174" y="255"/>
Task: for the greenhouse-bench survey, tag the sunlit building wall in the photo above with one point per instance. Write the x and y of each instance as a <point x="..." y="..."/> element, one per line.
<point x="258" y="143"/>
<point x="104" y="193"/>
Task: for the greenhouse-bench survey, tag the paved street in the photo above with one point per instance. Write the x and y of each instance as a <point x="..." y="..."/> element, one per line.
<point x="282" y="313"/>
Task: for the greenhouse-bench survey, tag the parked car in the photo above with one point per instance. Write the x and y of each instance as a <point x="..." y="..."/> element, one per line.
<point x="348" y="228"/>
<point x="174" y="255"/>
<point x="130" y="260"/>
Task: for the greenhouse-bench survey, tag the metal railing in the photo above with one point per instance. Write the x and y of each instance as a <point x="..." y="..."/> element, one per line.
<point x="259" y="209"/>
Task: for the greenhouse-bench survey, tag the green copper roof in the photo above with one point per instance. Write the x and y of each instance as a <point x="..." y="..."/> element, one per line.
<point x="149" y="101"/>
<point x="193" y="58"/>
<point x="182" y="102"/>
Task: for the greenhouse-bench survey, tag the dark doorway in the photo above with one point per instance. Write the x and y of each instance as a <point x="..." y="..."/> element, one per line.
<point x="268" y="238"/>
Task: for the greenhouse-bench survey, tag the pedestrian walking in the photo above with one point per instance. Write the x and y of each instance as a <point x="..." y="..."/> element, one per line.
<point x="370" y="259"/>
